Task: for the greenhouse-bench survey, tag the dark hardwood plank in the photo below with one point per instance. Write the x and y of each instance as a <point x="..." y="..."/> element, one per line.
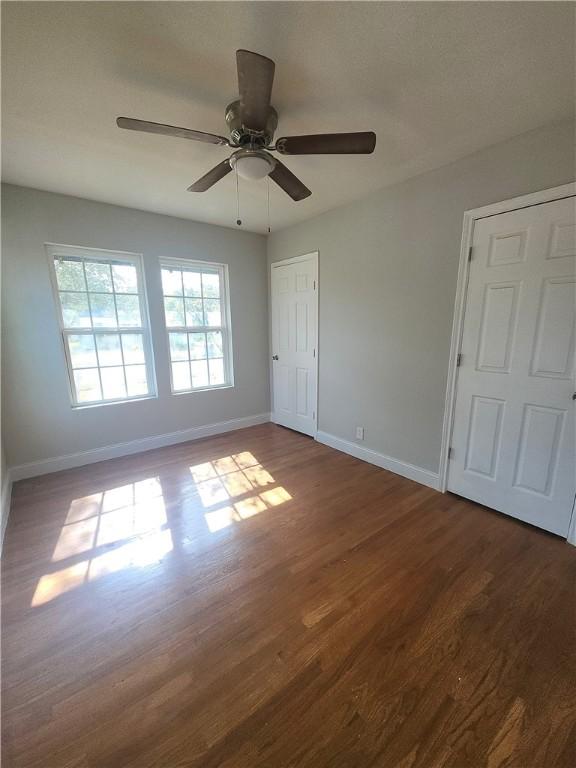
<point x="279" y="605"/>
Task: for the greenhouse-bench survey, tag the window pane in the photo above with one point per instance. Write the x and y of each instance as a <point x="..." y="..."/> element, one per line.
<point x="210" y="285"/>
<point x="178" y="346"/>
<point x="197" y="346"/>
<point x="75" y="313"/>
<point x="98" y="277"/>
<point x="128" y="311"/>
<point x="98" y="294"/>
<point x="172" y="282"/>
<point x="216" y="372"/>
<point x="125" y="278"/>
<point x="215" y="344"/>
<point x="103" y="314"/>
<point x="174" y="309"/>
<point x="113" y="383"/>
<point x="87" y="385"/>
<point x="70" y="275"/>
<point x="199" y="373"/>
<point x="180" y="376"/>
<point x="82" y="352"/>
<point x="212" y="312"/>
<point x="109" y="349"/>
<point x="133" y="348"/>
<point x="193" y="301"/>
<point x="192" y="283"/>
<point x="194" y="314"/>
<point x="136" y="380"/>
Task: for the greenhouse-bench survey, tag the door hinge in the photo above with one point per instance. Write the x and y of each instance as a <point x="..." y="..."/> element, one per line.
<point x="314" y="353"/>
<point x="314" y="284"/>
<point x="459" y="359"/>
<point x="450" y="452"/>
<point x="470" y="250"/>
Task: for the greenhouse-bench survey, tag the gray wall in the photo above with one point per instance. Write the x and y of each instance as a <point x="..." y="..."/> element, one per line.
<point x="38" y="421"/>
<point x="388" y="269"/>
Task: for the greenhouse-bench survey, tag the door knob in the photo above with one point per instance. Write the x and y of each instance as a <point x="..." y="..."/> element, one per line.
<point x="274" y="357"/>
<point x="574" y="396"/>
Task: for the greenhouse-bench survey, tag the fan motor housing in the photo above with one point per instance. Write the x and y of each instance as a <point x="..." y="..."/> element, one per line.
<point x="243" y="136"/>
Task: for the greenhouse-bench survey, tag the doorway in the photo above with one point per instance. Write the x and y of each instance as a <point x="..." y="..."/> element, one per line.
<point x="294" y="305"/>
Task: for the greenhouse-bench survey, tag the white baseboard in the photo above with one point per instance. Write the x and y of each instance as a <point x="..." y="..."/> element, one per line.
<point x="5" y="500"/>
<point x="81" y="458"/>
<point x="423" y="476"/>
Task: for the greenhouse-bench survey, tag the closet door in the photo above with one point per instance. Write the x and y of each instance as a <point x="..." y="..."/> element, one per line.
<point x="514" y="429"/>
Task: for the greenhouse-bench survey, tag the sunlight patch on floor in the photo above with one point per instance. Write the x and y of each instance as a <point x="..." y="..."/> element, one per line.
<point x="131" y="516"/>
<point x="111" y="516"/>
<point x="245" y="508"/>
<point x="138" y="553"/>
<point x="224" y="481"/>
<point x="127" y="526"/>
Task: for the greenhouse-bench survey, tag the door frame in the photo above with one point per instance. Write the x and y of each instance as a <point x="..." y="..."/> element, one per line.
<point x="470" y="217"/>
<point x="314" y="257"/>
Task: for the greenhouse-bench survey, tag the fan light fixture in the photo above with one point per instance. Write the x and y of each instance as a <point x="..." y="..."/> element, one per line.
<point x="252" y="164"/>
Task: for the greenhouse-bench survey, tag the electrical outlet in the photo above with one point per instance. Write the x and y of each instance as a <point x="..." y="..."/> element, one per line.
<point x="359" y="433"/>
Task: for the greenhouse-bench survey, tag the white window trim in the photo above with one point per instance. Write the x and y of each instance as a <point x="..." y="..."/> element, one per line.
<point x="226" y="327"/>
<point x="57" y="249"/>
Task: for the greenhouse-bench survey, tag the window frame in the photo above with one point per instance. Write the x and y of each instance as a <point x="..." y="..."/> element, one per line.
<point x="53" y="250"/>
<point x="225" y="316"/>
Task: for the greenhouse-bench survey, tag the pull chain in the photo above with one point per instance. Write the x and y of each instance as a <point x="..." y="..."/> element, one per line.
<point x="268" y="199"/>
<point x="238" y="219"/>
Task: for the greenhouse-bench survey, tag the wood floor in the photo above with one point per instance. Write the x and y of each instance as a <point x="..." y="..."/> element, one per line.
<point x="258" y="600"/>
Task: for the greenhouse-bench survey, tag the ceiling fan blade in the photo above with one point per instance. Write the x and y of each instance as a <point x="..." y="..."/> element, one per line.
<point x="210" y="178"/>
<point x="328" y="144"/>
<point x="290" y="184"/>
<point x="255" y="78"/>
<point x="169" y="130"/>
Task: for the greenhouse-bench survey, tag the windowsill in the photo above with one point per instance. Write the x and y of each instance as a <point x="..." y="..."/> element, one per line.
<point x="81" y="407"/>
<point x="203" y="389"/>
<point x="149" y="397"/>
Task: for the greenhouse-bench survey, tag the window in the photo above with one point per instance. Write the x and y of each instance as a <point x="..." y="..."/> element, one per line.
<point x="197" y="320"/>
<point x="103" y="317"/>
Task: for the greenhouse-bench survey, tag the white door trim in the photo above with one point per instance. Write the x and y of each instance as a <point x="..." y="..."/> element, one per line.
<point x="536" y="198"/>
<point x="313" y="255"/>
<point x="295" y="259"/>
<point x="572" y="526"/>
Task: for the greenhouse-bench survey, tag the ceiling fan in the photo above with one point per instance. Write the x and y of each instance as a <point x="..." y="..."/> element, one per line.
<point x="252" y="121"/>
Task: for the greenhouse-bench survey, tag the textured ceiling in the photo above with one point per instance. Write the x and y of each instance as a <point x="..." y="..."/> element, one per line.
<point x="435" y="81"/>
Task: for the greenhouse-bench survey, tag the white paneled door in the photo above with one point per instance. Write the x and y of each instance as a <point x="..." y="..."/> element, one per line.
<point x="294" y="342"/>
<point x="513" y="442"/>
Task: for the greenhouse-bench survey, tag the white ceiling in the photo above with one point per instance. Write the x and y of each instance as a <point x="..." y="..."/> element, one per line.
<point x="435" y="81"/>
